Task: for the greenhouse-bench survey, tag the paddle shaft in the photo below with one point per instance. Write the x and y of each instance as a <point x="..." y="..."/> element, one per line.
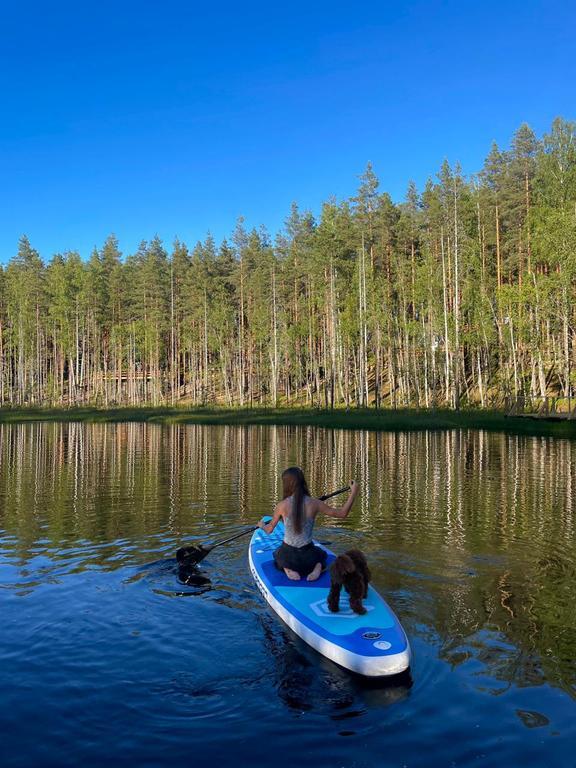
<point x="334" y="493"/>
<point x="237" y="536"/>
<point x="251" y="530"/>
<point x="203" y="551"/>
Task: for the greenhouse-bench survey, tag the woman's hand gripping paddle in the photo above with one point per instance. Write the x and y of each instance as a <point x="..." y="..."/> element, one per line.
<point x="195" y="553"/>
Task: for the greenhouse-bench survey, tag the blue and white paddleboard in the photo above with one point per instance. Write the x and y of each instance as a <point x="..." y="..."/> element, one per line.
<point x="374" y="644"/>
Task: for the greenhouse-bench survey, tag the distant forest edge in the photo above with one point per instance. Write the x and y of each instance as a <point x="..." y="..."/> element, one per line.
<point x="462" y="295"/>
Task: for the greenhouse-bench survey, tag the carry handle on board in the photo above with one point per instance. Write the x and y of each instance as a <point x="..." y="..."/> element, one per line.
<point x="195" y="553"/>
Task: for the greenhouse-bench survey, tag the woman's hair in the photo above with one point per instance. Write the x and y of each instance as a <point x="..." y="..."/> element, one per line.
<point x="294" y="484"/>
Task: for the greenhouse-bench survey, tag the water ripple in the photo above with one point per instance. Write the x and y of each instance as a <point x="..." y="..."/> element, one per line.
<point x="469" y="535"/>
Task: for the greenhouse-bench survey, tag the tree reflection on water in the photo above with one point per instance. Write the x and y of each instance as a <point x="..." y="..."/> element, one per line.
<point x="471" y="535"/>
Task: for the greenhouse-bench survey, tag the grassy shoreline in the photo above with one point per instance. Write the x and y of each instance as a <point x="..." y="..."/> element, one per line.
<point x="370" y="419"/>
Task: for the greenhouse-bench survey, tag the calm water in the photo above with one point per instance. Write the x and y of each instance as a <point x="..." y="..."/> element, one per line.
<point x="107" y="657"/>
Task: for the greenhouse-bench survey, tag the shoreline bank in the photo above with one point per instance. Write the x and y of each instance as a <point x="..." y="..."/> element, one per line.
<point x="361" y="418"/>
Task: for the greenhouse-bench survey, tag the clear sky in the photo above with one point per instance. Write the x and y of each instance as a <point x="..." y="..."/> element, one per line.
<point x="174" y="118"/>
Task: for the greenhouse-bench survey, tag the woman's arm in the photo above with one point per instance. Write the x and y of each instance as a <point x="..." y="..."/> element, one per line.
<point x="276" y="517"/>
<point x="342" y="511"/>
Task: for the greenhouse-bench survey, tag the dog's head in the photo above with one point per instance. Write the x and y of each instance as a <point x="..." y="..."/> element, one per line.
<point x="357" y="557"/>
<point x="341" y="567"/>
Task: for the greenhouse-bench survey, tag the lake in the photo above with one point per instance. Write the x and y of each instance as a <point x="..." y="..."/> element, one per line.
<point x="107" y="655"/>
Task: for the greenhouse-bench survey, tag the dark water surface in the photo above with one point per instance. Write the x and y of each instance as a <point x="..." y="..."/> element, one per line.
<point x="107" y="658"/>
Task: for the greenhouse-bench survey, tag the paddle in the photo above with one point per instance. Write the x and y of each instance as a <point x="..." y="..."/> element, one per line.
<point x="193" y="554"/>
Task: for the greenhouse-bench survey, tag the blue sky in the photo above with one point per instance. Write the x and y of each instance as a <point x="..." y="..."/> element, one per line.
<point x="176" y="118"/>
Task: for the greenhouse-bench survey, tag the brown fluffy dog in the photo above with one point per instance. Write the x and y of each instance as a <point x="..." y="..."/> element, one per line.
<point x="350" y="571"/>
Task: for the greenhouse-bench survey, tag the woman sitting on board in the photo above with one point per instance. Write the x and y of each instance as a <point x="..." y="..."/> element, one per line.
<point x="298" y="556"/>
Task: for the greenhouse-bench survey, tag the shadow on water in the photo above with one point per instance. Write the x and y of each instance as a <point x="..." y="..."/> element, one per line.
<point x="191" y="576"/>
<point x="187" y="574"/>
<point x="308" y="682"/>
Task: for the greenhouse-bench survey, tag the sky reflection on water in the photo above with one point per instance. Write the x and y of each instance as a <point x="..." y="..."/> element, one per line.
<point x="470" y="535"/>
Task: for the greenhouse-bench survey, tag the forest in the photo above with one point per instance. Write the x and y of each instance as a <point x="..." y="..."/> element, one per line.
<point x="460" y="296"/>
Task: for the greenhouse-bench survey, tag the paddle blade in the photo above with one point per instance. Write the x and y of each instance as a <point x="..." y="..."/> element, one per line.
<point x="191" y="554"/>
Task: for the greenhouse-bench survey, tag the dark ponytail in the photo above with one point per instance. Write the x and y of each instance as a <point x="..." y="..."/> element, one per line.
<point x="294" y="484"/>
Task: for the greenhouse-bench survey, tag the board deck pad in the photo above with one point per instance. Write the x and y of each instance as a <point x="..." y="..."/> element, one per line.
<point x="373" y="644"/>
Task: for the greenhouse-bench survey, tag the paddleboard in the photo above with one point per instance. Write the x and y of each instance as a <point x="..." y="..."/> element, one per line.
<point x="374" y="645"/>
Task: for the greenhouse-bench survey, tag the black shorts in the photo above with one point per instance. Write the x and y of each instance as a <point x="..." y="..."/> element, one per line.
<point x="303" y="560"/>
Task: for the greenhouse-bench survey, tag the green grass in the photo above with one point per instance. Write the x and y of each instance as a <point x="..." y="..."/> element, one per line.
<point x="361" y="418"/>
